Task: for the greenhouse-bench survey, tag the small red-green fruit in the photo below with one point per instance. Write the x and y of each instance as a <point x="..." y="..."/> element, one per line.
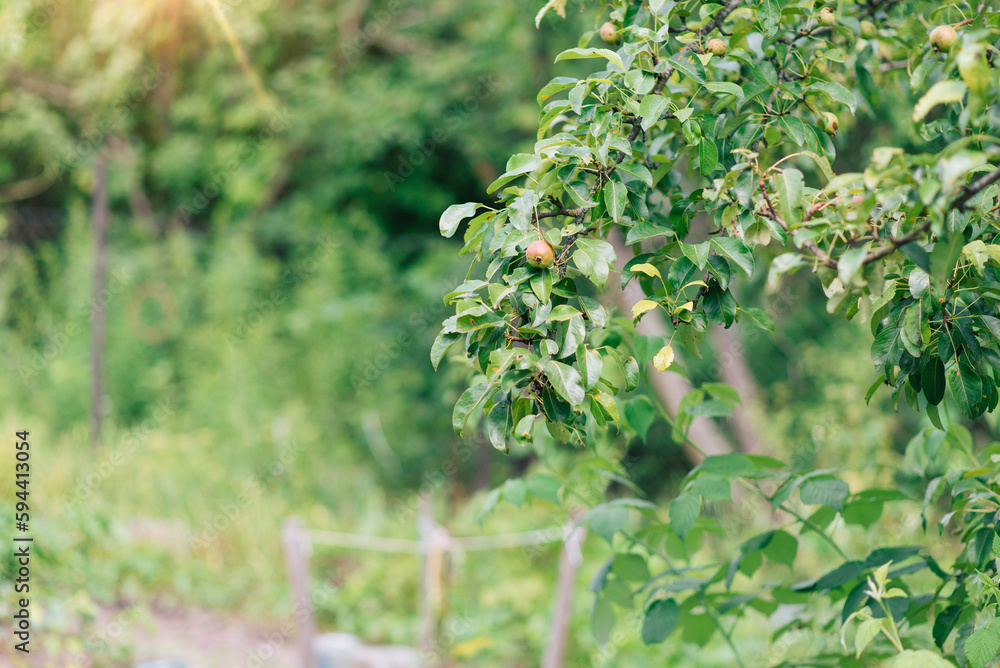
<point x="609" y="33"/>
<point x="717" y="47"/>
<point x="858" y="199"/>
<point x="826" y="17"/>
<point x="830" y="122"/>
<point x="868" y="30"/>
<point x="539" y="254"/>
<point x="943" y="38"/>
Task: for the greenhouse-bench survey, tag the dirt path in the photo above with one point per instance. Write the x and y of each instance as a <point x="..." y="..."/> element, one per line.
<point x="193" y="638"/>
<point x="201" y="639"/>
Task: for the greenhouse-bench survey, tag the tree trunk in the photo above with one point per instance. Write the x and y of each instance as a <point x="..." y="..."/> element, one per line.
<point x="669" y="387"/>
<point x="734" y="371"/>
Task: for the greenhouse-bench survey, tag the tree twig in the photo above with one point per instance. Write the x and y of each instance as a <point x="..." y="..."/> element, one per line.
<point x="968" y="192"/>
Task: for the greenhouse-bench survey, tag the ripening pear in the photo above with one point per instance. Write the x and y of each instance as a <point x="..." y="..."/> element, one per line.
<point x="943" y="38"/>
<point x="826" y="17"/>
<point x="540" y="254"/>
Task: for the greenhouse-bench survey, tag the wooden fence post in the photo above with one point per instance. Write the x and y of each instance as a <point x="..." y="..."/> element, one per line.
<point x="298" y="575"/>
<point x="569" y="560"/>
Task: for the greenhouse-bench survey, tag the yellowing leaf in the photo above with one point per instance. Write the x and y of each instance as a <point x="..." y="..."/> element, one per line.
<point x="663" y="359"/>
<point x="943" y="92"/>
<point x="647" y="269"/>
<point x="469" y="648"/>
<point x="558" y="5"/>
<point x="643" y="306"/>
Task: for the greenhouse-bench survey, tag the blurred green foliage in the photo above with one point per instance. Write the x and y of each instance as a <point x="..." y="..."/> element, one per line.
<point x="276" y="276"/>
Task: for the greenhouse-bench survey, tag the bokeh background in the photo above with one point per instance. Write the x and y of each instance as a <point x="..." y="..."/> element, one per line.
<point x="274" y="172"/>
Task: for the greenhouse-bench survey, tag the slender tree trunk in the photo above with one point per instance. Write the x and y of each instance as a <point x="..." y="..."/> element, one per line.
<point x="570" y="559"/>
<point x="734" y="371"/>
<point x="101" y="216"/>
<point x="669" y="387"/>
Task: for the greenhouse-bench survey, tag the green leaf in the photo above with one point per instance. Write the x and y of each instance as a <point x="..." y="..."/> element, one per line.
<point x="920" y="658"/>
<point x="523" y="430"/>
<point x="515" y="491"/>
<point x="708" y="155"/>
<point x="782" y="549"/>
<point x="824" y="492"/>
<point x="591" y="364"/>
<point x="640" y="415"/>
<point x="544" y="487"/>
<point x="932" y="382"/>
<point x="646" y="229"/>
<point x="794" y="128"/>
<point x="713" y="487"/>
<point x="600" y="257"/>
<point x="651" y="108"/>
<point x="631" y="567"/>
<point x="863" y="513"/>
<point x="943" y="259"/>
<point x="769" y="17"/>
<point x="868" y="630"/>
<point x="610" y="407"/>
<point x="730" y="465"/>
<point x="945" y="622"/>
<point x="469" y="400"/>
<point x="966" y="387"/>
<point x="606" y="520"/>
<point x="465" y="288"/>
<point x="555" y="86"/>
<point x="883" y="345"/>
<point x="684" y="510"/>
<point x="638" y="171"/>
<point x="697" y="253"/>
<point x="756" y="543"/>
<point x="789" y="187"/>
<point x="918" y="283"/>
<point x="562" y="312"/>
<point x="835" y="92"/>
<point x="733" y="250"/>
<point x="662" y="8"/>
<point x="498" y="424"/>
<point x="849" y="263"/>
<point x="725" y="87"/>
<point x="522" y="163"/>
<point x="541" y="285"/>
<point x="943" y="92"/>
<point x="760" y="318"/>
<point x="471" y="323"/>
<point x="566" y="381"/>
<point x="442" y="342"/>
<point x="992" y="325"/>
<point x="575" y="54"/>
<point x="489" y="504"/>
<point x="661" y="619"/>
<point x="454" y="215"/>
<point x="639" y="82"/>
<point x="689" y="65"/>
<point x="602" y="620"/>
<point x="839" y="576"/>
<point x="631" y="374"/>
<point x="983" y="645"/>
<point x="615" y="199"/>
